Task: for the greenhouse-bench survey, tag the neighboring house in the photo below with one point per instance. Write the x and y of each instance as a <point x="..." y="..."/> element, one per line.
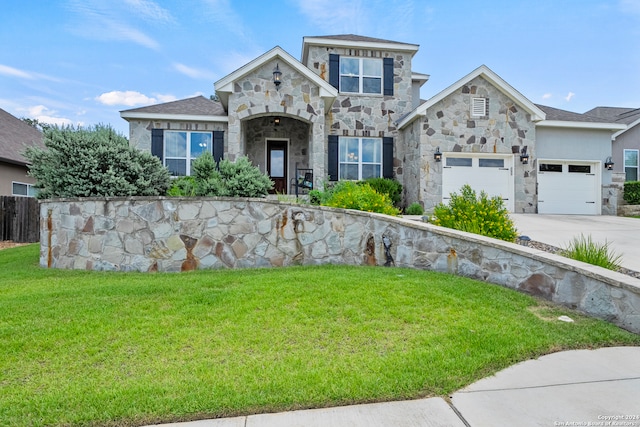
<point x="350" y="109"/>
<point x="15" y="137"/>
<point x="626" y="143"/>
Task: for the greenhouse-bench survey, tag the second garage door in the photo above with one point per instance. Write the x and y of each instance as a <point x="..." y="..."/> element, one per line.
<point x="491" y="173"/>
<point x="568" y="187"/>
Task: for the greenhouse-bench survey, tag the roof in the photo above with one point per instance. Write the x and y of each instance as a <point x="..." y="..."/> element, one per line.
<point x="196" y="108"/>
<point x="556" y="117"/>
<point x="15" y="137"/>
<point x="616" y="114"/>
<point x="224" y="86"/>
<point x="536" y="113"/>
<point x="354" y="41"/>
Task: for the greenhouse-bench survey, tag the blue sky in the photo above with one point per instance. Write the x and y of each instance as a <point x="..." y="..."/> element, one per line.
<point x="82" y="61"/>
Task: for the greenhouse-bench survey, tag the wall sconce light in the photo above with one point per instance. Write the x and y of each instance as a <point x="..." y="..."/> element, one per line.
<point x="437" y="155"/>
<point x="524" y="157"/>
<point x="608" y="164"/>
<point x="277" y="75"/>
<point x="276" y="121"/>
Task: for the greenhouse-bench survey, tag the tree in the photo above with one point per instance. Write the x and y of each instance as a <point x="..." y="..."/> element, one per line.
<point x="36" y="124"/>
<point x="94" y="161"/>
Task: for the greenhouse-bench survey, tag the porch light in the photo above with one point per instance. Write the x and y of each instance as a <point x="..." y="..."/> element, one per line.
<point x="608" y="164"/>
<point x="277" y="74"/>
<point x="437" y="155"/>
<point x="276" y="121"/>
<point x="524" y="157"/>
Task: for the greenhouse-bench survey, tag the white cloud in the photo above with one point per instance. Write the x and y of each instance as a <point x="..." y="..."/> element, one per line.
<point x="150" y="10"/>
<point x="349" y="17"/>
<point x="546" y="96"/>
<point x="131" y="98"/>
<point x="194" y="73"/>
<point x="630" y="6"/>
<point x="221" y="12"/>
<point x="569" y="96"/>
<point x="45" y="115"/>
<point x="14" y="72"/>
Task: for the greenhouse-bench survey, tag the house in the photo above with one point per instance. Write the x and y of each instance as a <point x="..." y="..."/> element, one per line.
<point x="350" y="109"/>
<point x="626" y="142"/>
<point x="15" y="137"/>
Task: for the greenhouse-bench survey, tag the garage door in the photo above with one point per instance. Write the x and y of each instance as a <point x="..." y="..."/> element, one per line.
<point x="491" y="173"/>
<point x="566" y="187"/>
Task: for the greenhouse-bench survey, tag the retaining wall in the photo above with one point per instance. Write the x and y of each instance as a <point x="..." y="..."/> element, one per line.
<point x="181" y="234"/>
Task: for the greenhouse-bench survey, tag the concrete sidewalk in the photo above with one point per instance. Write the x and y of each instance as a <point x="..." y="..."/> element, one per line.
<point x="567" y="388"/>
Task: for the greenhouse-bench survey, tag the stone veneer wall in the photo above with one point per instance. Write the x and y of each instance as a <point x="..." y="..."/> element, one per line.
<point x="180" y="234"/>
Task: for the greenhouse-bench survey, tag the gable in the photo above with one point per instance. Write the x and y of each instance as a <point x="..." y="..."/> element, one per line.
<point x="226" y="86"/>
<point x="496" y="81"/>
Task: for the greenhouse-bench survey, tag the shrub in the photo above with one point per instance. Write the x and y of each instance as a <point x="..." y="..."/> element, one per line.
<point x="390" y="187"/>
<point x="414" y="208"/>
<point x="349" y="195"/>
<point x="632" y="192"/>
<point x="242" y="179"/>
<point x="476" y="214"/>
<point x="586" y="250"/>
<point x="184" y="186"/>
<point x="82" y="162"/>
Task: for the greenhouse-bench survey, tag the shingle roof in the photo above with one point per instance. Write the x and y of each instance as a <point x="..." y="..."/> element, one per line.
<point x="570" y="116"/>
<point x="197" y="106"/>
<point x="15" y="137"/>
<point x="622" y="115"/>
<point x="357" y="38"/>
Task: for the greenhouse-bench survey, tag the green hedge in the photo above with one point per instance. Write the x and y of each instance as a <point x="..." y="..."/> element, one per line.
<point x="632" y="192"/>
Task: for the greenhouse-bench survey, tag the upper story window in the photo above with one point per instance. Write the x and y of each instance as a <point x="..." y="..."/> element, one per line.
<point x="479" y="107"/>
<point x="631" y="165"/>
<point x="181" y="148"/>
<point x="22" y="189"/>
<point x="360" y="75"/>
<point x="360" y="158"/>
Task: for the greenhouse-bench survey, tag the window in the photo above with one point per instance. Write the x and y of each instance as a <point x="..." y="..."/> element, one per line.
<point x="549" y="167"/>
<point x="479" y="107"/>
<point x="491" y="163"/>
<point x="579" y="169"/>
<point x="459" y="161"/>
<point x="361" y="75"/>
<point x="181" y="148"/>
<point x="360" y="158"/>
<point x="21" y="189"/>
<point x="631" y="165"/>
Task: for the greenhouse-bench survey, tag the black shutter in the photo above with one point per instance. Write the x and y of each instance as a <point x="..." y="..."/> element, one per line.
<point x="388" y="76"/>
<point x="387" y="157"/>
<point x="334" y="70"/>
<point x="218" y="145"/>
<point x="332" y="152"/>
<point x="157" y="143"/>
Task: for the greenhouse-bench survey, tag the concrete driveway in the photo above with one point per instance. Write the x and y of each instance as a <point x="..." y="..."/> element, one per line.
<point x="622" y="234"/>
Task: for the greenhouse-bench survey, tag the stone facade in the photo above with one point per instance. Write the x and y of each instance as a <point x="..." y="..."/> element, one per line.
<point x="449" y="126"/>
<point x="176" y="234"/>
<point x="254" y="96"/>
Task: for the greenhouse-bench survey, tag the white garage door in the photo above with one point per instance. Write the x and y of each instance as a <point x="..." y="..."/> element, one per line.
<point x="491" y="173"/>
<point x="566" y="187"/>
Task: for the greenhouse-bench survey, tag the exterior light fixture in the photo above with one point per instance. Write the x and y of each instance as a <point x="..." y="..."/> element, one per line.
<point x="608" y="164"/>
<point x="277" y="75"/>
<point x="437" y="155"/>
<point x="524" y="157"/>
<point x="276" y="121"/>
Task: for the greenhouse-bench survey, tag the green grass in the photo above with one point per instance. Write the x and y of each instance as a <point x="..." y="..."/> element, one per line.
<point x="115" y="349"/>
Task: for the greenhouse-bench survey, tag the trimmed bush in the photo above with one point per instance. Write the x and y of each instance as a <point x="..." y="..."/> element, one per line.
<point x="362" y="197"/>
<point x="632" y="192"/>
<point x="586" y="250"/>
<point x="184" y="186"/>
<point x="414" y="208"/>
<point x="476" y="214"/>
<point x="84" y="162"/>
<point x="390" y="187"/>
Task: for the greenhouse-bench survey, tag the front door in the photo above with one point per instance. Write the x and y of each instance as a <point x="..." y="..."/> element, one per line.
<point x="277" y="165"/>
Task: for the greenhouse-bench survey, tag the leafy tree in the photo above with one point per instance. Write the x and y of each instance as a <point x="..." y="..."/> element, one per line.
<point x="94" y="161"/>
<point x="36" y="123"/>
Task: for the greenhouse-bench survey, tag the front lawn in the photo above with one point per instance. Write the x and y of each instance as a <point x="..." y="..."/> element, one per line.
<point x="116" y="349"/>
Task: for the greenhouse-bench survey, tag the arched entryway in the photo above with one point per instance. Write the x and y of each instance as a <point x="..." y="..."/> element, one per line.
<point x="279" y="146"/>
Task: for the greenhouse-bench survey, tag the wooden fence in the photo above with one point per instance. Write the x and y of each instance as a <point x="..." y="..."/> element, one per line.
<point x="19" y="219"/>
